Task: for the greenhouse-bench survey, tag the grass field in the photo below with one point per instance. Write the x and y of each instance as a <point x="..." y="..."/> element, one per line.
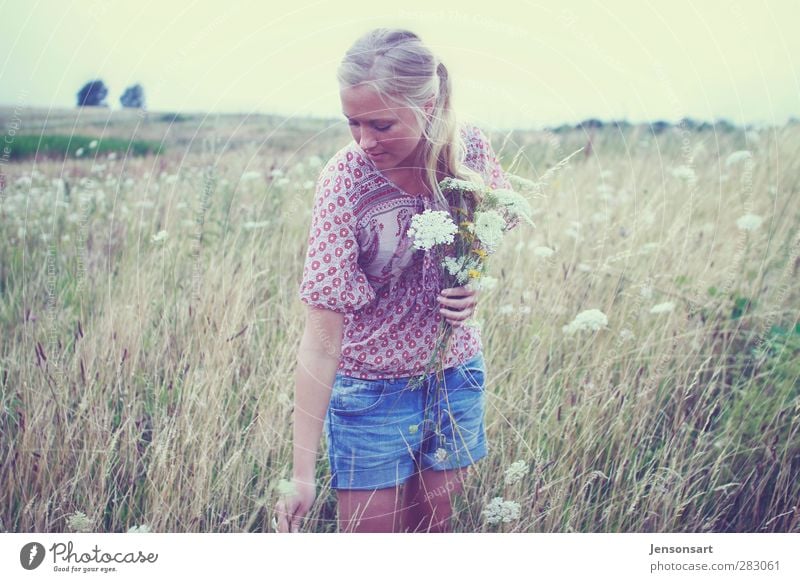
<point x="149" y="322"/>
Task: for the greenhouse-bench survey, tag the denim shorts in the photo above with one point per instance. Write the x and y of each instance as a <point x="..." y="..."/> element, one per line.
<point x="380" y="432"/>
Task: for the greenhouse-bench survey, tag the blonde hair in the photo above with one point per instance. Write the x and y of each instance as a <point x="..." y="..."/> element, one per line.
<point x="397" y="64"/>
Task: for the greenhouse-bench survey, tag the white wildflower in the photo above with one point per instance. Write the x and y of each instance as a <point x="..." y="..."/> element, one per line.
<point x="646" y="291"/>
<point x="626" y="335"/>
<point x="525" y="309"/>
<point x="506" y="309"/>
<point x="460" y="267"/>
<point x="276" y="173"/>
<point x="440" y="455"/>
<point x="749" y="222"/>
<point x="286" y="488"/>
<point x="78" y="152"/>
<point x="159" y="236"/>
<point x="144" y="528"/>
<point x="488" y="227"/>
<point x="78" y="522"/>
<point x="513" y="202"/>
<point x="738" y="156"/>
<point x="112" y="156"/>
<point x="499" y="510"/>
<point x="543" y="252"/>
<point x="250" y="176"/>
<point x="463" y="185"/>
<point x="665" y="307"/>
<point x="584" y="268"/>
<point x="308" y="184"/>
<point x="516" y="472"/>
<point x="92" y="144"/>
<point x="521" y="182"/>
<point x="483" y="283"/>
<point x="684" y="173"/>
<point x="282" y="181"/>
<point x="589" y="320"/>
<point x="431" y="228"/>
<point x="314" y="161"/>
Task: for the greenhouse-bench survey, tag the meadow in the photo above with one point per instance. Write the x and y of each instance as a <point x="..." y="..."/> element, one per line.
<point x="150" y="322"/>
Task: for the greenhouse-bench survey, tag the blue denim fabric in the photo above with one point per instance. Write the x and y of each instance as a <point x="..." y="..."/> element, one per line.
<point x="379" y="433"/>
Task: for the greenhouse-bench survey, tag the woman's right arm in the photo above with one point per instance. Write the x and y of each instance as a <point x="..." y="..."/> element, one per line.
<point x="317" y="362"/>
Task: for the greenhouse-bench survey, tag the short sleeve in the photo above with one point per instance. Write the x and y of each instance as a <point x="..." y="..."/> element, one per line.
<point x="481" y="158"/>
<point x="332" y="276"/>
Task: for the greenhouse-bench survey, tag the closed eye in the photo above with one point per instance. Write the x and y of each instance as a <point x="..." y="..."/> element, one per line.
<point x="383" y="128"/>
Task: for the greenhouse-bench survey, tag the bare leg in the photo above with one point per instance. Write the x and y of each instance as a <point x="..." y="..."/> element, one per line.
<point x="427" y="502"/>
<point x="373" y="511"/>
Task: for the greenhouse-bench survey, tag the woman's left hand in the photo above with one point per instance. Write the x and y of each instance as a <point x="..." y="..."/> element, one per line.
<point x="458" y="304"/>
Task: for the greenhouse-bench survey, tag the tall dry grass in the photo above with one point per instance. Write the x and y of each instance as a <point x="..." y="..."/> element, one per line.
<point x="150" y="324"/>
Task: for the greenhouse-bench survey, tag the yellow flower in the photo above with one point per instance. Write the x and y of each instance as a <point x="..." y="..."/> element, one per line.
<point x="480" y="252"/>
<point x="474" y="273"/>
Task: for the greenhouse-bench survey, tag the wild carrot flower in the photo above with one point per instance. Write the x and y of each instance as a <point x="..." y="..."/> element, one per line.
<point x="500" y="510"/>
<point x="749" y="222"/>
<point x="159" y="236"/>
<point x="431" y="228"/>
<point x="78" y="522"/>
<point x="488" y="227"/>
<point x="663" y="307"/>
<point x="485" y="283"/>
<point x="684" y="173"/>
<point x="285" y="488"/>
<point x="516" y="472"/>
<point x="589" y="320"/>
<point x="737" y="157"/>
<point x="144" y="528"/>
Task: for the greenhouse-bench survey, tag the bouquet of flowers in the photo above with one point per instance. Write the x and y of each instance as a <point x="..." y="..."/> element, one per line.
<point x="460" y="242"/>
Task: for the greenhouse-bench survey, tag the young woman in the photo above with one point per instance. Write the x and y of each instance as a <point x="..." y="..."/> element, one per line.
<point x="397" y="456"/>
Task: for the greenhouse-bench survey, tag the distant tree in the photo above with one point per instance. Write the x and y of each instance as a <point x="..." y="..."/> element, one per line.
<point x="621" y="124"/>
<point x="93" y="94"/>
<point x="590" y="124"/>
<point x="688" y="123"/>
<point x="133" y="97"/>
<point x="660" y="126"/>
<point x="722" y="124"/>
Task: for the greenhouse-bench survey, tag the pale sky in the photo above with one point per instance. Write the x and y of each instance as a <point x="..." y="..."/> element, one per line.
<point x="513" y="62"/>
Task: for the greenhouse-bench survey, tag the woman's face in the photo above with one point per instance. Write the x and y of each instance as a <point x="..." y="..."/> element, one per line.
<point x="385" y="129"/>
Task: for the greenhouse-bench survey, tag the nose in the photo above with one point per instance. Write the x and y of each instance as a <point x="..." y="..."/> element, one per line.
<point x="367" y="141"/>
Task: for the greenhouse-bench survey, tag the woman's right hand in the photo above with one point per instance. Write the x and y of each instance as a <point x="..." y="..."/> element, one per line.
<point x="292" y="508"/>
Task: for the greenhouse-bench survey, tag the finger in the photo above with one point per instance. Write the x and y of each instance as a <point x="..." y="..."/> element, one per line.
<point x="296" y="524"/>
<point x="455" y="316"/>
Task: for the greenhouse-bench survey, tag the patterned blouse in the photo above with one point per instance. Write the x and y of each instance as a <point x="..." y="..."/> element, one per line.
<point x="360" y="263"/>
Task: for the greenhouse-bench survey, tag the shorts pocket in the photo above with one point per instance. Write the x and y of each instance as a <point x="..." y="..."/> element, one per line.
<point x="472" y="374"/>
<point x="354" y="396"/>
